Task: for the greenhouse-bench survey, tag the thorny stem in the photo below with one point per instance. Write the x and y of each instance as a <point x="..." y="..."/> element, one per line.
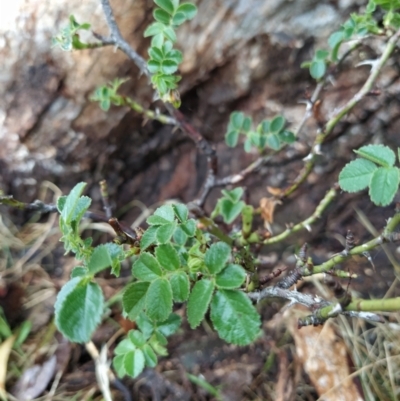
<point x="343" y="111"/>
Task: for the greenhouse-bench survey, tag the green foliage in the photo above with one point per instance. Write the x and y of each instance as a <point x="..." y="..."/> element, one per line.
<point x="164" y="60"/>
<point x="374" y="170"/>
<point x="229" y="206"/>
<point x="269" y="133"/>
<point x="68" y="38"/>
<point x="107" y="94"/>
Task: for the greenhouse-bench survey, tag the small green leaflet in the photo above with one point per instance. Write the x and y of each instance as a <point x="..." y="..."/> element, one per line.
<point x="356" y="175"/>
<point x="159" y="300"/>
<point x="217" y="256"/>
<point x="378" y="154"/>
<point x="134" y="298"/>
<point x="384" y="185"/>
<point x="199" y="301"/>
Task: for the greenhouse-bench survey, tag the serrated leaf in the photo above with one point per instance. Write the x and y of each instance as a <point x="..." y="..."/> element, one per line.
<point x="145" y="325"/>
<point x="384" y="185"/>
<point x="167" y="47"/>
<point x="231" y="277"/>
<point x="169" y="326"/>
<point x="99" y="260"/>
<point x="71" y="202"/>
<point x="148" y="237"/>
<point x="157" y="221"/>
<point x="175" y="56"/>
<point x="231" y="138"/>
<point x="154" y="66"/>
<point x="134" y="363"/>
<point x="124" y="346"/>
<point x="136" y="338"/>
<point x="189" y="228"/>
<point x="166" y="5"/>
<point x="356" y="175"/>
<point x="118" y="363"/>
<point x="179" y="236"/>
<point x="168" y="67"/>
<point x="150" y="356"/>
<point x="234" y="317"/>
<point x="317" y="69"/>
<point x="168" y="257"/>
<point x="134" y="299"/>
<point x="157" y="40"/>
<point x="217" y="256"/>
<point x="180" y="286"/>
<point x="378" y="154"/>
<point x="78" y="309"/>
<point x="181" y="211"/>
<point x="159" y="300"/>
<point x="146" y="267"/>
<point x="164" y="233"/>
<point x="188" y="9"/>
<point x="156" y="54"/>
<point x="166" y="212"/>
<point x="161" y="16"/>
<point x="229" y="210"/>
<point x="199" y="301"/>
<point x="277" y="124"/>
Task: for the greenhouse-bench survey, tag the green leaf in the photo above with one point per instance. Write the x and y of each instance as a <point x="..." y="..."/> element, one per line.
<point x="264" y="127"/>
<point x="231" y="138"/>
<point x="136" y="338"/>
<point x="78" y="309"/>
<point x="145" y="325"/>
<point x="378" y="154"/>
<point x="356" y="175"/>
<point x="99" y="260"/>
<point x="247" y="145"/>
<point x="317" y="69"/>
<point x="157" y="221"/>
<point x="167" y="47"/>
<point x="277" y="124"/>
<point x="321" y="54"/>
<point x="199" y="301"/>
<point x="150" y="356"/>
<point x="159" y="300"/>
<point x="155" y="28"/>
<point x="79" y="271"/>
<point x="170" y="34"/>
<point x="334" y="41"/>
<point x="180" y="286"/>
<point x="231" y="277"/>
<point x="188" y="9"/>
<point x="157" y="40"/>
<point x="181" y="211"/>
<point x="146" y="267"/>
<point x="234" y="195"/>
<point x="189" y="228"/>
<point x="178" y="19"/>
<point x="118" y="363"/>
<point x="246" y="124"/>
<point x="134" y="363"/>
<point x="273" y="141"/>
<point x="154" y="66"/>
<point x="169" y="326"/>
<point x="71" y="202"/>
<point x="217" y="256"/>
<point x="164" y="233"/>
<point x="237" y="120"/>
<point x="175" y="56"/>
<point x="168" y="257"/>
<point x="287" y="136"/>
<point x="134" y="299"/>
<point x="179" y="236"/>
<point x="166" y="5"/>
<point x="384" y="185"/>
<point x="166" y="212"/>
<point x="156" y="54"/>
<point x="234" y="317"/>
<point x="161" y="16"/>
<point x="148" y="238"/>
<point x="229" y="210"/>
<point x="168" y="67"/>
